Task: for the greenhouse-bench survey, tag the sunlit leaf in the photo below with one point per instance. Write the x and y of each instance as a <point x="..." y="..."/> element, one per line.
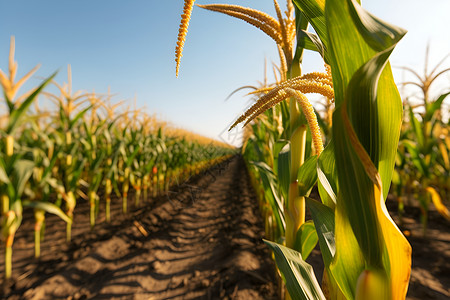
<point x="298" y="275"/>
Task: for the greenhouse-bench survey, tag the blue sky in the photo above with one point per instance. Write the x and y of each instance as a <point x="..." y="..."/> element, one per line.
<point x="129" y="46"/>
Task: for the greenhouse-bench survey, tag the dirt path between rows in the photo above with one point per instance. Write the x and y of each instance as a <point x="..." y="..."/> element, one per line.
<point x="201" y="241"/>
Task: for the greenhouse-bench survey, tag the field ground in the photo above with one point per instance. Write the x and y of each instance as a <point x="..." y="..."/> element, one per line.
<point x="430" y="276"/>
<point x="201" y="241"/>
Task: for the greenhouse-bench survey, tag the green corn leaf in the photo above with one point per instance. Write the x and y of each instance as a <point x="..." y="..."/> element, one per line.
<point x="78" y="116"/>
<point x="307" y="175"/>
<point x="434" y="106"/>
<point x="130" y="159"/>
<point x="269" y="184"/>
<point x="301" y="23"/>
<point x="322" y="124"/>
<point x="3" y="176"/>
<point x="284" y="169"/>
<point x="417" y="129"/>
<point x="311" y="41"/>
<point x="306" y="239"/>
<point x="277" y="148"/>
<point x="22" y="170"/>
<point x="16" y="114"/>
<point x="416" y="157"/>
<point x="48" y="207"/>
<point x="298" y="275"/>
<point x="323" y="218"/>
<point x="314" y="11"/>
<point x="378" y="34"/>
<point x="327" y="176"/>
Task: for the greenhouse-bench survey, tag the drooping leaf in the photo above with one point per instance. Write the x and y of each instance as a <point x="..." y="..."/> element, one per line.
<point x="48" y="207"/>
<point x="298" y="275"/>
<point x="327" y="176"/>
<point x="314" y="11"/>
<point x="271" y="193"/>
<point x="311" y="41"/>
<point x="437" y="201"/>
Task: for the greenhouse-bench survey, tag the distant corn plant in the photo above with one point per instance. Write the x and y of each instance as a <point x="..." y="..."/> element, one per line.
<point x="365" y="254"/>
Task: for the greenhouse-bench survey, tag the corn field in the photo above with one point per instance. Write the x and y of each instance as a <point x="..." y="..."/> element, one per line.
<point x="50" y="160"/>
<point x="337" y="181"/>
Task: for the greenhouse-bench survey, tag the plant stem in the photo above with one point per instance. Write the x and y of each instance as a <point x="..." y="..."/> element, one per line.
<point x="69" y="231"/>
<point x="92" y="209"/>
<point x="37" y="243"/>
<point x="108" y="208"/>
<point x="124" y="203"/>
<point x="295" y="216"/>
<point x="8" y="255"/>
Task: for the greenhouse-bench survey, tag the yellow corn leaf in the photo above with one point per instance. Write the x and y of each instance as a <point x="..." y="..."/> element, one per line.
<point x="440" y="207"/>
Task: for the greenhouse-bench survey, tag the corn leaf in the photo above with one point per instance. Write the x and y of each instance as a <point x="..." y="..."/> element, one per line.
<point x="444" y="154"/>
<point x="284" y="169"/>
<point x="314" y="11"/>
<point x="327" y="176"/>
<point x="48" y="207"/>
<point x="277" y="148"/>
<point x="416" y="157"/>
<point x="306" y="239"/>
<point x="17" y="114"/>
<point x="311" y="41"/>
<point x="3" y="176"/>
<point x="323" y="218"/>
<point x="269" y="184"/>
<point x="298" y="275"/>
<point x="434" y="106"/>
<point x="79" y="115"/>
<point x="307" y="175"/>
<point x="22" y="170"/>
<point x="440" y="207"/>
<point x="417" y="129"/>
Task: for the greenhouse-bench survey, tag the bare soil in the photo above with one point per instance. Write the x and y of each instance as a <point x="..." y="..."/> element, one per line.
<point x="202" y="240"/>
<point x="430" y="275"/>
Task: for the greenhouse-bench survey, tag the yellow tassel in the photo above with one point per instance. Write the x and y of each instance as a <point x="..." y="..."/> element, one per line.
<point x="182" y="31"/>
<point x="311" y="118"/>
